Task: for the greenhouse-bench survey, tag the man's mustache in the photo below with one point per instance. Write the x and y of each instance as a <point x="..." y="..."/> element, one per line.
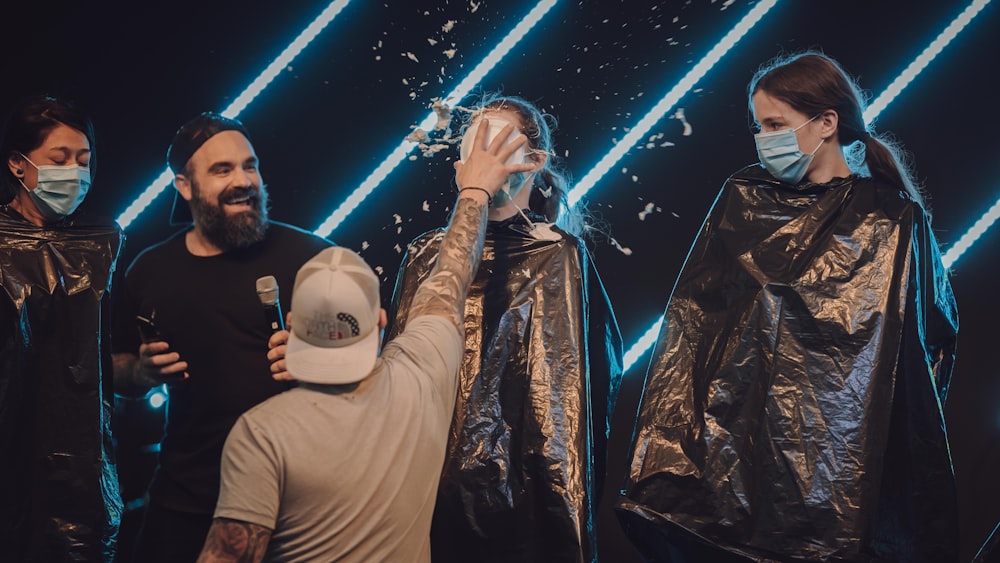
<point x="250" y="195"/>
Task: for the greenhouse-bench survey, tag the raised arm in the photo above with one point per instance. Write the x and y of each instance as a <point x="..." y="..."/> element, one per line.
<point x="443" y="292"/>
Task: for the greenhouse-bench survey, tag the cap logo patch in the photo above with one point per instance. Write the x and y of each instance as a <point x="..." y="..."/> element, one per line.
<point x="351" y="321"/>
<point x="324" y="327"/>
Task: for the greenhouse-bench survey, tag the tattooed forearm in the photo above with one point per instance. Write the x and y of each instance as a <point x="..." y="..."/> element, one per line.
<point x="443" y="293"/>
<point x="234" y="541"/>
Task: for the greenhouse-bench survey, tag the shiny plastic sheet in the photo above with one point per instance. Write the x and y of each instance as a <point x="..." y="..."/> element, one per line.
<point x="542" y="366"/>
<point x="793" y="403"/>
<point x="59" y="497"/>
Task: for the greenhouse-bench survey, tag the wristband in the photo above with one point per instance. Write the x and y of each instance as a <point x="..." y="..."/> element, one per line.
<point x="489" y="196"/>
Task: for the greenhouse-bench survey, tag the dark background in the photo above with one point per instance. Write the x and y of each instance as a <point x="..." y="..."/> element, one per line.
<point x="142" y="69"/>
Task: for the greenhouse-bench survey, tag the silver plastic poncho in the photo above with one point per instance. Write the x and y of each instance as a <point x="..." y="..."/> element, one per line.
<point x="543" y="360"/>
<point x="793" y="403"/>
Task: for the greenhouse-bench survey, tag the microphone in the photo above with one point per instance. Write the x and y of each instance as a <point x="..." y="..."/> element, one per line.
<point x="267" y="290"/>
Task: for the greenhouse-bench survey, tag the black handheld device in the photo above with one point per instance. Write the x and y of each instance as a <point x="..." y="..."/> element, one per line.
<point x="147" y="329"/>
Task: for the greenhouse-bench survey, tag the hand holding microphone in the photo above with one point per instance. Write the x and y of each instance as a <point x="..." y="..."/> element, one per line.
<point x="267" y="290"/>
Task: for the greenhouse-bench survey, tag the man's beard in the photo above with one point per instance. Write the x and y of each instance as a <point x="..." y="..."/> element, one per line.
<point x="226" y="231"/>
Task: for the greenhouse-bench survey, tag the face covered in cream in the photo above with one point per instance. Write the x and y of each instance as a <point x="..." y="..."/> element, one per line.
<point x="515" y="182"/>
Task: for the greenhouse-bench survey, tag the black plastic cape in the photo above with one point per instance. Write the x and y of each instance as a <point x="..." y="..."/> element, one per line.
<point x="59" y="497"/>
<point x="543" y="361"/>
<point x="793" y="403"/>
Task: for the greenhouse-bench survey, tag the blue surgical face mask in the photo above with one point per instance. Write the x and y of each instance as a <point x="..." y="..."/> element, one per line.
<point x="60" y="189"/>
<point x="779" y="152"/>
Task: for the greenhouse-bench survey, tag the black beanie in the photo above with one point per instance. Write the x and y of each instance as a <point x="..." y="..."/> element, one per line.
<point x="193" y="134"/>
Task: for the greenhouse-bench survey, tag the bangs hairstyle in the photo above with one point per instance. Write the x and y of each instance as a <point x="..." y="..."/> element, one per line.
<point x="29" y="124"/>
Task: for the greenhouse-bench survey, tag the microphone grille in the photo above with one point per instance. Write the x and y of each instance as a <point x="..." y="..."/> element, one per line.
<point x="267" y="290"/>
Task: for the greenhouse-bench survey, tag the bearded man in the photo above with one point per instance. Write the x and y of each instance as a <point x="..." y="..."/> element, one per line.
<point x="209" y="344"/>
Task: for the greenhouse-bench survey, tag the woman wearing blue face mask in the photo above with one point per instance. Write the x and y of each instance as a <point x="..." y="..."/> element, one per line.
<point x="59" y="497"/>
<point x="793" y="406"/>
<point x="48" y="181"/>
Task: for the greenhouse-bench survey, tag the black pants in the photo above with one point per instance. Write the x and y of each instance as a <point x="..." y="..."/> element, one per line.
<point x="170" y="536"/>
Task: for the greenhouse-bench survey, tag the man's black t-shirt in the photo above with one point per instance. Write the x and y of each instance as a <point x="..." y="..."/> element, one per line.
<point x="208" y="310"/>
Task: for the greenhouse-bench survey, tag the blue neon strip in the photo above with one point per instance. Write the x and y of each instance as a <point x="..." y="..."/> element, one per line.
<point x="645" y="342"/>
<point x="648" y="338"/>
<point x="406" y="147"/>
<point x="639" y="130"/>
<point x="242" y="101"/>
<point x="924" y="59"/>
<point x="972" y="235"/>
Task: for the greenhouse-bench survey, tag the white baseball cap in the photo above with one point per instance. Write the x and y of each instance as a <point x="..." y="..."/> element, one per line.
<point x="334" y="334"/>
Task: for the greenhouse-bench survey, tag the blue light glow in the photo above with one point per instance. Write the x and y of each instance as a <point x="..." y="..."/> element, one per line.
<point x="639" y="130"/>
<point x="957" y="25"/>
<point x="903" y="80"/>
<point x="923" y="59"/>
<point x="158" y="397"/>
<point x="242" y="101"/>
<point x="145" y="198"/>
<point x="645" y="341"/>
<point x="461" y="91"/>
<point x="973" y="234"/>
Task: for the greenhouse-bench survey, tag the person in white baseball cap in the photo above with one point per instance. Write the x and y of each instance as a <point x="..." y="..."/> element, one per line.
<point x="336" y="298"/>
<point x="345" y="466"/>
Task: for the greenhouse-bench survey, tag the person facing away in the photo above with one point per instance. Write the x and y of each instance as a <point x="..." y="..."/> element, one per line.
<point x="59" y="498"/>
<point x="345" y="467"/>
<point x="543" y="360"/>
<point x="199" y="289"/>
<point x="793" y="406"/>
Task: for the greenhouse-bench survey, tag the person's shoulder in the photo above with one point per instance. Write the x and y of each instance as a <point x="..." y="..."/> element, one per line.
<point x="881" y="187"/>
<point x="292" y="243"/>
<point x="428" y="237"/>
<point x="76" y="227"/>
<point x="751" y="173"/>
<point x="422" y="334"/>
<point x="268" y="408"/>
<point x="91" y="221"/>
<point x="173" y="241"/>
<point x="288" y="231"/>
<point x="424" y="244"/>
<point x="173" y="244"/>
<point x="893" y="200"/>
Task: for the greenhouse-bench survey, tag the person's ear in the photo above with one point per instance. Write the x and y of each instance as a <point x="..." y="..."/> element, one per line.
<point x="829" y="120"/>
<point x="183" y="186"/>
<point x="16" y="164"/>
<point x="383" y="319"/>
<point x="538" y="158"/>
